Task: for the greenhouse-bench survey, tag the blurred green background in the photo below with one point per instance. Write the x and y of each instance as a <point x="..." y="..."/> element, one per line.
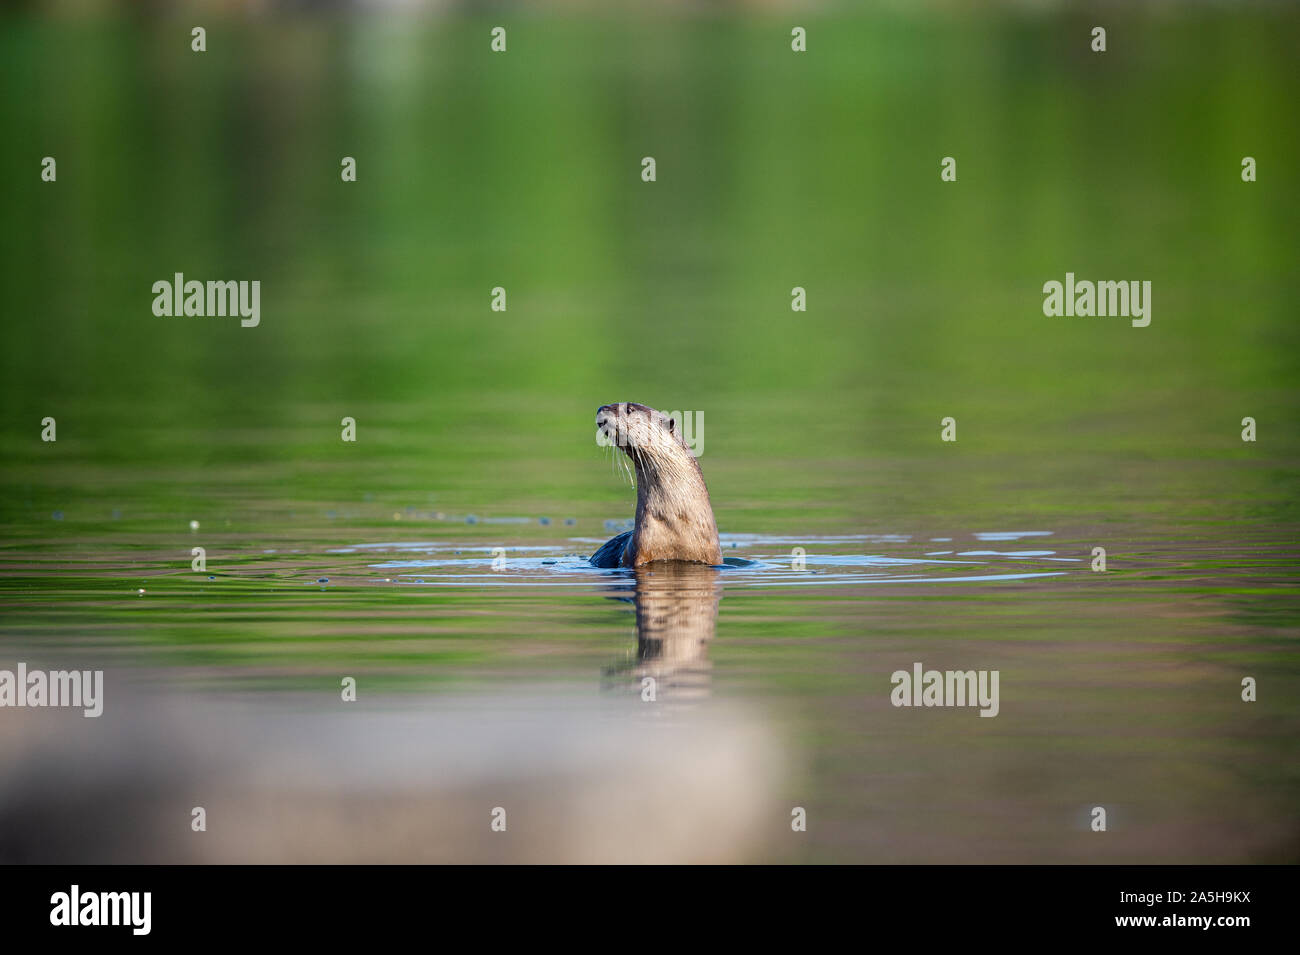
<point x="775" y="169"/>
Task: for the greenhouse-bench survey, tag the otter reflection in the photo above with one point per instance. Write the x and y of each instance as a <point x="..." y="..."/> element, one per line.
<point x="676" y="617"/>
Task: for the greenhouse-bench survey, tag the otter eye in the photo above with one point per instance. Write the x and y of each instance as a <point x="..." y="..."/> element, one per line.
<point x="670" y="424"/>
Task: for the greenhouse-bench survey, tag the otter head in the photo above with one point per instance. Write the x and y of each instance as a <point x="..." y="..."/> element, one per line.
<point x="640" y="430"/>
<point x="674" y="519"/>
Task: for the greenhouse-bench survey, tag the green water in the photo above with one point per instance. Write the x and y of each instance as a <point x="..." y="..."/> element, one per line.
<point x="822" y="428"/>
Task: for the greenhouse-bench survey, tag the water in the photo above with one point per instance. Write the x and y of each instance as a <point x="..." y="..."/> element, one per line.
<point x="521" y="685"/>
<point x="1117" y="688"/>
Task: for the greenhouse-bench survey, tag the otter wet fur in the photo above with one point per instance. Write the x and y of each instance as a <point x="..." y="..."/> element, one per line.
<point x="674" y="519"/>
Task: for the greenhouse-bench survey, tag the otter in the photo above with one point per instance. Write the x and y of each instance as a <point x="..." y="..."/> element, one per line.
<point x="674" y="519"/>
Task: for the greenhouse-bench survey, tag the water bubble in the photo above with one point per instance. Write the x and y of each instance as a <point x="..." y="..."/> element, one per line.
<point x="57" y="515"/>
<point x="569" y="521"/>
<point x="471" y="519"/>
<point x="194" y="525"/>
<point x="544" y="521"/>
<point x="117" y="513"/>
<point x="322" y="580"/>
<point x="140" y="592"/>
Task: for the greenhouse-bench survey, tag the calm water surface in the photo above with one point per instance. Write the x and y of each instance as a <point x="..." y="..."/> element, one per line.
<point x="1118" y="688"/>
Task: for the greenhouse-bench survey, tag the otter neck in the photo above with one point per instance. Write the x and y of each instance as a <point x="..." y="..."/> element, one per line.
<point x="674" y="519"/>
